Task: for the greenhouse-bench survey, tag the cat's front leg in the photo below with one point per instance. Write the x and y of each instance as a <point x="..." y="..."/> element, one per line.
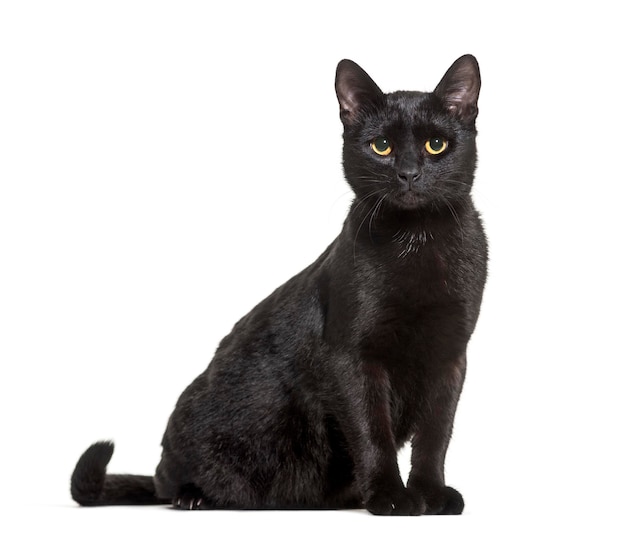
<point x="436" y="498"/>
<point x="364" y="416"/>
<point x="429" y="445"/>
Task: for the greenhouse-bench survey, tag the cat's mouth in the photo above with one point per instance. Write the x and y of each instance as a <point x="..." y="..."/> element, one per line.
<point x="410" y="199"/>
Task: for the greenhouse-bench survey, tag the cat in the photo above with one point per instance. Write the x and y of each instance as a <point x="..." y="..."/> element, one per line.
<point x="311" y="395"/>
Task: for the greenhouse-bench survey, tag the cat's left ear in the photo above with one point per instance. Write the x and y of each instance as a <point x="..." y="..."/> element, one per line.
<point x="355" y="90"/>
<point x="459" y="88"/>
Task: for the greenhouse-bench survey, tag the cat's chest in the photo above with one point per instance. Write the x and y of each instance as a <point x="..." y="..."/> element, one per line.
<point x="406" y="243"/>
<point x="418" y="268"/>
<point x="412" y="301"/>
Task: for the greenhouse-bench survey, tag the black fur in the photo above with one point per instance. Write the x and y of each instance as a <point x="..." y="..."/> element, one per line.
<point x="308" y="399"/>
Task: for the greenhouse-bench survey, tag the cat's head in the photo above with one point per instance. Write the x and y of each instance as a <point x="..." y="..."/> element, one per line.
<point x="410" y="149"/>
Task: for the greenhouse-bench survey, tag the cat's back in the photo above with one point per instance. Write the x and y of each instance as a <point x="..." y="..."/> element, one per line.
<point x="285" y="322"/>
<point x="267" y="354"/>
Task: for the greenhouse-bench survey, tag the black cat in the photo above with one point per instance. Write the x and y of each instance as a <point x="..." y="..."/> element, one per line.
<point x="308" y="399"/>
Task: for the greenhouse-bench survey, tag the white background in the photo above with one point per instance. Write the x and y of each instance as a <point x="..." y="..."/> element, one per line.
<point x="165" y="165"/>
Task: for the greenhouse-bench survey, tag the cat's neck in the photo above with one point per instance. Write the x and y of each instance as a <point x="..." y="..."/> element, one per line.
<point x="413" y="227"/>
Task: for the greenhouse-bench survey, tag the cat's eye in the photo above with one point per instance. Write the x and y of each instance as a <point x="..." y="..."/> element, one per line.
<point x="381" y="146"/>
<point x="436" y="145"/>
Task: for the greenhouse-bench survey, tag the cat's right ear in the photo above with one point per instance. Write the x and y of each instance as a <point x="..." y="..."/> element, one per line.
<point x="355" y="90"/>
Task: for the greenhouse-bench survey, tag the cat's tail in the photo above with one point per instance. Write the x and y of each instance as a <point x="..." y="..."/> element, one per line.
<point x="92" y="486"/>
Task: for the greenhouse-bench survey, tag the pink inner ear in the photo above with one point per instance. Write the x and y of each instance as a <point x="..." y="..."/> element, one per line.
<point x="457" y="100"/>
<point x="460" y="86"/>
<point x="462" y="92"/>
<point x="462" y="109"/>
<point x="349" y="102"/>
<point x="354" y="89"/>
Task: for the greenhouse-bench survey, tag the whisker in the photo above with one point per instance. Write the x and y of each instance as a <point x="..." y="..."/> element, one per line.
<point x="377" y="208"/>
<point x="356" y="236"/>
<point x="362" y="200"/>
<point x="456" y="219"/>
<point x="370" y="213"/>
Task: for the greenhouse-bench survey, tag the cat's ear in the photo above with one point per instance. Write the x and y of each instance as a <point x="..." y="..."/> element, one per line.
<point x="355" y="90"/>
<point x="459" y="88"/>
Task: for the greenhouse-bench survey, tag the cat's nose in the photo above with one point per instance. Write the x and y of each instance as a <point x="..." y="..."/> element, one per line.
<point x="408" y="178"/>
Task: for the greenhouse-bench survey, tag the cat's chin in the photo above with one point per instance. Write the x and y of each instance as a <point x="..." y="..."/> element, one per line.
<point x="409" y="201"/>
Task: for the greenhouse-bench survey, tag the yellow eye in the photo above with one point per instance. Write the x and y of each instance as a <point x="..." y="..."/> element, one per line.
<point x="381" y="146"/>
<point x="436" y="145"/>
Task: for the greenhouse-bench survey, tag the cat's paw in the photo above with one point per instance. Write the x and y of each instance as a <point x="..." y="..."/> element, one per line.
<point x="190" y="498"/>
<point x="434" y="499"/>
<point x="397" y="502"/>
